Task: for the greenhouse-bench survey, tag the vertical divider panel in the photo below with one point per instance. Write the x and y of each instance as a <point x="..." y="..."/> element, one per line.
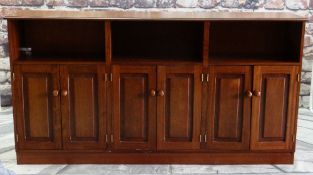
<point x="206" y="35"/>
<point x="108" y="43"/>
<point x="302" y="43"/>
<point x="298" y="85"/>
<point x="205" y="71"/>
<point x="14" y="54"/>
<point x="13" y="37"/>
<point x="108" y="84"/>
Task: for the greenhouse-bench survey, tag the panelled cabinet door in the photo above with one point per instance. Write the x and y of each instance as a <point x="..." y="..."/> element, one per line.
<point x="229" y="108"/>
<point x="36" y="93"/>
<point x="274" y="101"/>
<point x="134" y="107"/>
<point x="83" y="106"/>
<point x="178" y="107"/>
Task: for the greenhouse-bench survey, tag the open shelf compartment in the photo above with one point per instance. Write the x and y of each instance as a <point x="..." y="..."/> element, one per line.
<point x="157" y="41"/>
<point x="254" y="42"/>
<point x="60" y="40"/>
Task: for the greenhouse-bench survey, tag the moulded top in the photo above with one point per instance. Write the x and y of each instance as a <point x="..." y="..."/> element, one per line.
<point x="151" y="15"/>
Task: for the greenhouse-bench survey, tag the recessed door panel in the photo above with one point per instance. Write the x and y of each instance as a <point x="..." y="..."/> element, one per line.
<point x="38" y="117"/>
<point x="134" y="99"/>
<point x="179" y="109"/>
<point x="273" y="117"/>
<point x="134" y="107"/>
<point x="228" y="114"/>
<point x="83" y="106"/>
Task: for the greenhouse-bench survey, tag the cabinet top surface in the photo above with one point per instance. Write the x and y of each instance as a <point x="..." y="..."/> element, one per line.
<point x="151" y="15"/>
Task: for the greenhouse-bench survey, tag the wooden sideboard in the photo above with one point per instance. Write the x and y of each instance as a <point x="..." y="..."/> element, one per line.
<point x="155" y="87"/>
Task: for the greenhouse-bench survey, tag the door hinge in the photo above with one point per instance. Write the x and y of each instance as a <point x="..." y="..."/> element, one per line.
<point x="298" y="77"/>
<point x="200" y="138"/>
<point x="108" y="77"/>
<point x="17" y="138"/>
<point x="13" y="74"/>
<point x="293" y="138"/>
<point x="105" y="77"/>
<point x="111" y="77"/>
<point x="206" y="78"/>
<point x="112" y="138"/>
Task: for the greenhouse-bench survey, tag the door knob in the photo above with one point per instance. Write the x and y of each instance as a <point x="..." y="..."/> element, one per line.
<point x="161" y="93"/>
<point x="64" y="93"/>
<point x="256" y="93"/>
<point x="55" y="93"/>
<point x="152" y="92"/>
<point x="249" y="94"/>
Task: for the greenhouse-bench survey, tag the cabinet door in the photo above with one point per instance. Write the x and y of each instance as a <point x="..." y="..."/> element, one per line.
<point x="178" y="107"/>
<point x="83" y="106"/>
<point x="229" y="108"/>
<point x="274" y="107"/>
<point x="134" y="107"/>
<point x="37" y="111"/>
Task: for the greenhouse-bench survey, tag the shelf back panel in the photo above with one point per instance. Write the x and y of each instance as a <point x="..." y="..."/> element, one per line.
<point x="164" y="40"/>
<point x="62" y="39"/>
<point x="255" y="39"/>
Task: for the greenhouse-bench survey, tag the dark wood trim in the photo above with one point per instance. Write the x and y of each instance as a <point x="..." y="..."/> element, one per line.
<point x="297" y="94"/>
<point x="204" y="109"/>
<point x="109" y="106"/>
<point x="152" y="158"/>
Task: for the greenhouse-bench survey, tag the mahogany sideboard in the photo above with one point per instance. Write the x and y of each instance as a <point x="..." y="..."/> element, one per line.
<point x="155" y="87"/>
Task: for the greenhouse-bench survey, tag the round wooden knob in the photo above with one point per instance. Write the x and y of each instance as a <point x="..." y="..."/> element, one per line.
<point x="161" y="93"/>
<point x="64" y="93"/>
<point x="257" y="93"/>
<point x="249" y="94"/>
<point x="55" y="93"/>
<point x="152" y="93"/>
